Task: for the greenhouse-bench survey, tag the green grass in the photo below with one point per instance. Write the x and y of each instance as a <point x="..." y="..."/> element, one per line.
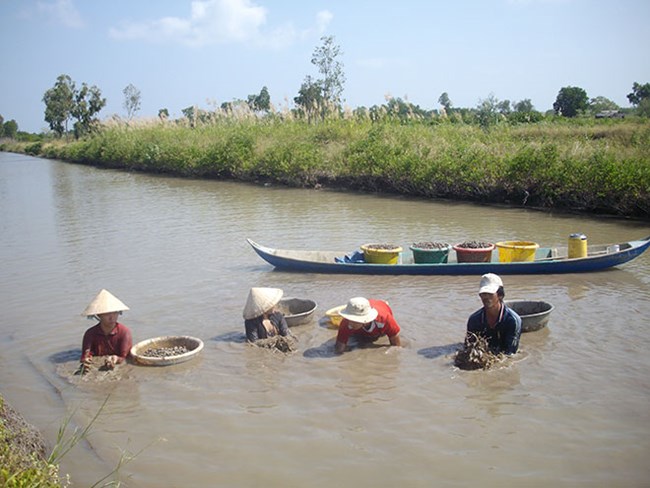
<point x="23" y="463"/>
<point x="599" y="166"/>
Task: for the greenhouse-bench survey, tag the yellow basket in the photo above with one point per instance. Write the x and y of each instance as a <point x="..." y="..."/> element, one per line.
<point x="334" y="316"/>
<point x="374" y="254"/>
<point x="513" y="251"/>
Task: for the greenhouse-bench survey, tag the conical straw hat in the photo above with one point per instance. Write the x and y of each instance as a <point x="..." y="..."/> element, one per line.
<point x="261" y="300"/>
<point x="104" y="302"/>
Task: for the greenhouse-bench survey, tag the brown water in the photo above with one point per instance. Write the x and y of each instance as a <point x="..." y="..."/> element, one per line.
<point x="572" y="410"/>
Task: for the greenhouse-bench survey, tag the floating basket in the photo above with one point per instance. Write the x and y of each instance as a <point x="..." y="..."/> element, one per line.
<point x="192" y="344"/>
<point x="334" y="316"/>
<point x="297" y="311"/>
<point x="534" y="314"/>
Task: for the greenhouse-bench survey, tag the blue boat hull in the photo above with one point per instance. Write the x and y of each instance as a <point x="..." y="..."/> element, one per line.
<point x="598" y="258"/>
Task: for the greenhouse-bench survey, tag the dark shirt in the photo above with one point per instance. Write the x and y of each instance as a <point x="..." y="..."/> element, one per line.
<point x="117" y="343"/>
<point x="504" y="337"/>
<point x="255" y="330"/>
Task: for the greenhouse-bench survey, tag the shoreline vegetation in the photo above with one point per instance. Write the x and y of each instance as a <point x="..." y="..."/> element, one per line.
<point x="579" y="165"/>
<point x="23" y="459"/>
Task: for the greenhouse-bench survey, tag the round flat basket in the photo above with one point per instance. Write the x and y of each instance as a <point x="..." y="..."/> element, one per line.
<point x="166" y="350"/>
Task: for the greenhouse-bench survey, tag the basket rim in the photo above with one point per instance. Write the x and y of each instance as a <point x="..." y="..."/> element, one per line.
<point x="368" y="247"/>
<point x="167" y="359"/>
<point x="517" y="244"/>
<point x="335" y="310"/>
<point x="473" y="249"/>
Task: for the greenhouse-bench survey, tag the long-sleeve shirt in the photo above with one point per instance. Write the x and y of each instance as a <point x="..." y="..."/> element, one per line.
<point x="255" y="329"/>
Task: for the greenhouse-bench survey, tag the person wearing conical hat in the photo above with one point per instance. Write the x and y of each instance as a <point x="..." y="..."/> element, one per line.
<point x="261" y="318"/>
<point x="108" y="338"/>
<point x="367" y="320"/>
<point x="498" y="323"/>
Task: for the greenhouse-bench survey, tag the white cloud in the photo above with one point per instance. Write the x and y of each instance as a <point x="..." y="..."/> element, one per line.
<point x="323" y="18"/>
<point x="62" y="11"/>
<point x="215" y="22"/>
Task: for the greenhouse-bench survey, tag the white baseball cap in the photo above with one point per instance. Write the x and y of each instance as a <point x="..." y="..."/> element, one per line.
<point x="490" y="283"/>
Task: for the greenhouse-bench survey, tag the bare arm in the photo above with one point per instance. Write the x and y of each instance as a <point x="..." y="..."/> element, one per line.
<point x="395" y="340"/>
<point x="339" y="348"/>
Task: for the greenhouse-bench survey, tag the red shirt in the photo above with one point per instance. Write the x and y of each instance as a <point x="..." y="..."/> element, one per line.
<point x="117" y="343"/>
<point x="384" y="324"/>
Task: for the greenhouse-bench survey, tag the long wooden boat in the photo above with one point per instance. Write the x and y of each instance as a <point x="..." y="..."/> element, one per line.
<point x="547" y="261"/>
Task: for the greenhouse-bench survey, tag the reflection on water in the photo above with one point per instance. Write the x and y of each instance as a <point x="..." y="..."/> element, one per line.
<point x="237" y="415"/>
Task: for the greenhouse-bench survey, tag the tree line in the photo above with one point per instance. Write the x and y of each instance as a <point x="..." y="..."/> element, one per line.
<point x="321" y="97"/>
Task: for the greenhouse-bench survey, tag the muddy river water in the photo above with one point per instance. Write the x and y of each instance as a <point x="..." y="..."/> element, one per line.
<point x="570" y="410"/>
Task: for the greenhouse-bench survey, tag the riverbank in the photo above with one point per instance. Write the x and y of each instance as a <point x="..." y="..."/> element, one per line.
<point x="23" y="460"/>
<point x="583" y="165"/>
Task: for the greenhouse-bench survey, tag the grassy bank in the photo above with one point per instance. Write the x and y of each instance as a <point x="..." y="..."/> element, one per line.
<point x="23" y="462"/>
<point x="596" y="166"/>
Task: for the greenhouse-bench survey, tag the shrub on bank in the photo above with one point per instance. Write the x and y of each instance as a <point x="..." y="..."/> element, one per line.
<point x="582" y="164"/>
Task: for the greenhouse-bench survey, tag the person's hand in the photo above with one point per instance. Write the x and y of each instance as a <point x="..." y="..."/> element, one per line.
<point x="110" y="362"/>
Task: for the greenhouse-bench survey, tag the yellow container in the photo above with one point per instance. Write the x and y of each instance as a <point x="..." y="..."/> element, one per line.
<point x="381" y="253"/>
<point x="334" y="316"/>
<point x="511" y="251"/>
<point x="577" y="246"/>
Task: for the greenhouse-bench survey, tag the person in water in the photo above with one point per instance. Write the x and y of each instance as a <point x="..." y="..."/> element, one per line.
<point x="261" y="318"/>
<point x="496" y="322"/>
<point x="368" y="320"/>
<point x="108" y="338"/>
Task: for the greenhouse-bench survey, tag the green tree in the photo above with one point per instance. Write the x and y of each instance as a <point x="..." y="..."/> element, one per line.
<point x="131" y="100"/>
<point x="639" y="93"/>
<point x="640" y="98"/>
<point x="445" y="101"/>
<point x="2" y="120"/>
<point x="59" y="102"/>
<point x="524" y="105"/>
<point x="404" y="110"/>
<point x="163" y="114"/>
<point x="88" y="102"/>
<point x="487" y="111"/>
<point x="190" y="114"/>
<point x="310" y="98"/>
<point x="570" y="100"/>
<point x="599" y="104"/>
<point x="10" y="129"/>
<point x="261" y="102"/>
<point x="504" y="107"/>
<point x="326" y="58"/>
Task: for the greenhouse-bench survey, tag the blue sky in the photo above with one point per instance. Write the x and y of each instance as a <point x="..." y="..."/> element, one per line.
<point x="180" y="53"/>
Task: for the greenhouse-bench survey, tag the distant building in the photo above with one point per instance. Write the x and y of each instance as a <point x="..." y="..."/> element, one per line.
<point x="610" y="114"/>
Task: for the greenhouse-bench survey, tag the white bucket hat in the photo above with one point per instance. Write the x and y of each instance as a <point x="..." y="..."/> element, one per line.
<point x="261" y="300"/>
<point x="359" y="310"/>
<point x="490" y="283"/>
<point x="104" y="302"/>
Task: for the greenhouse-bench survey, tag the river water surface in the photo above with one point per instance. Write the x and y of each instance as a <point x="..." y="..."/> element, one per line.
<point x="572" y="409"/>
